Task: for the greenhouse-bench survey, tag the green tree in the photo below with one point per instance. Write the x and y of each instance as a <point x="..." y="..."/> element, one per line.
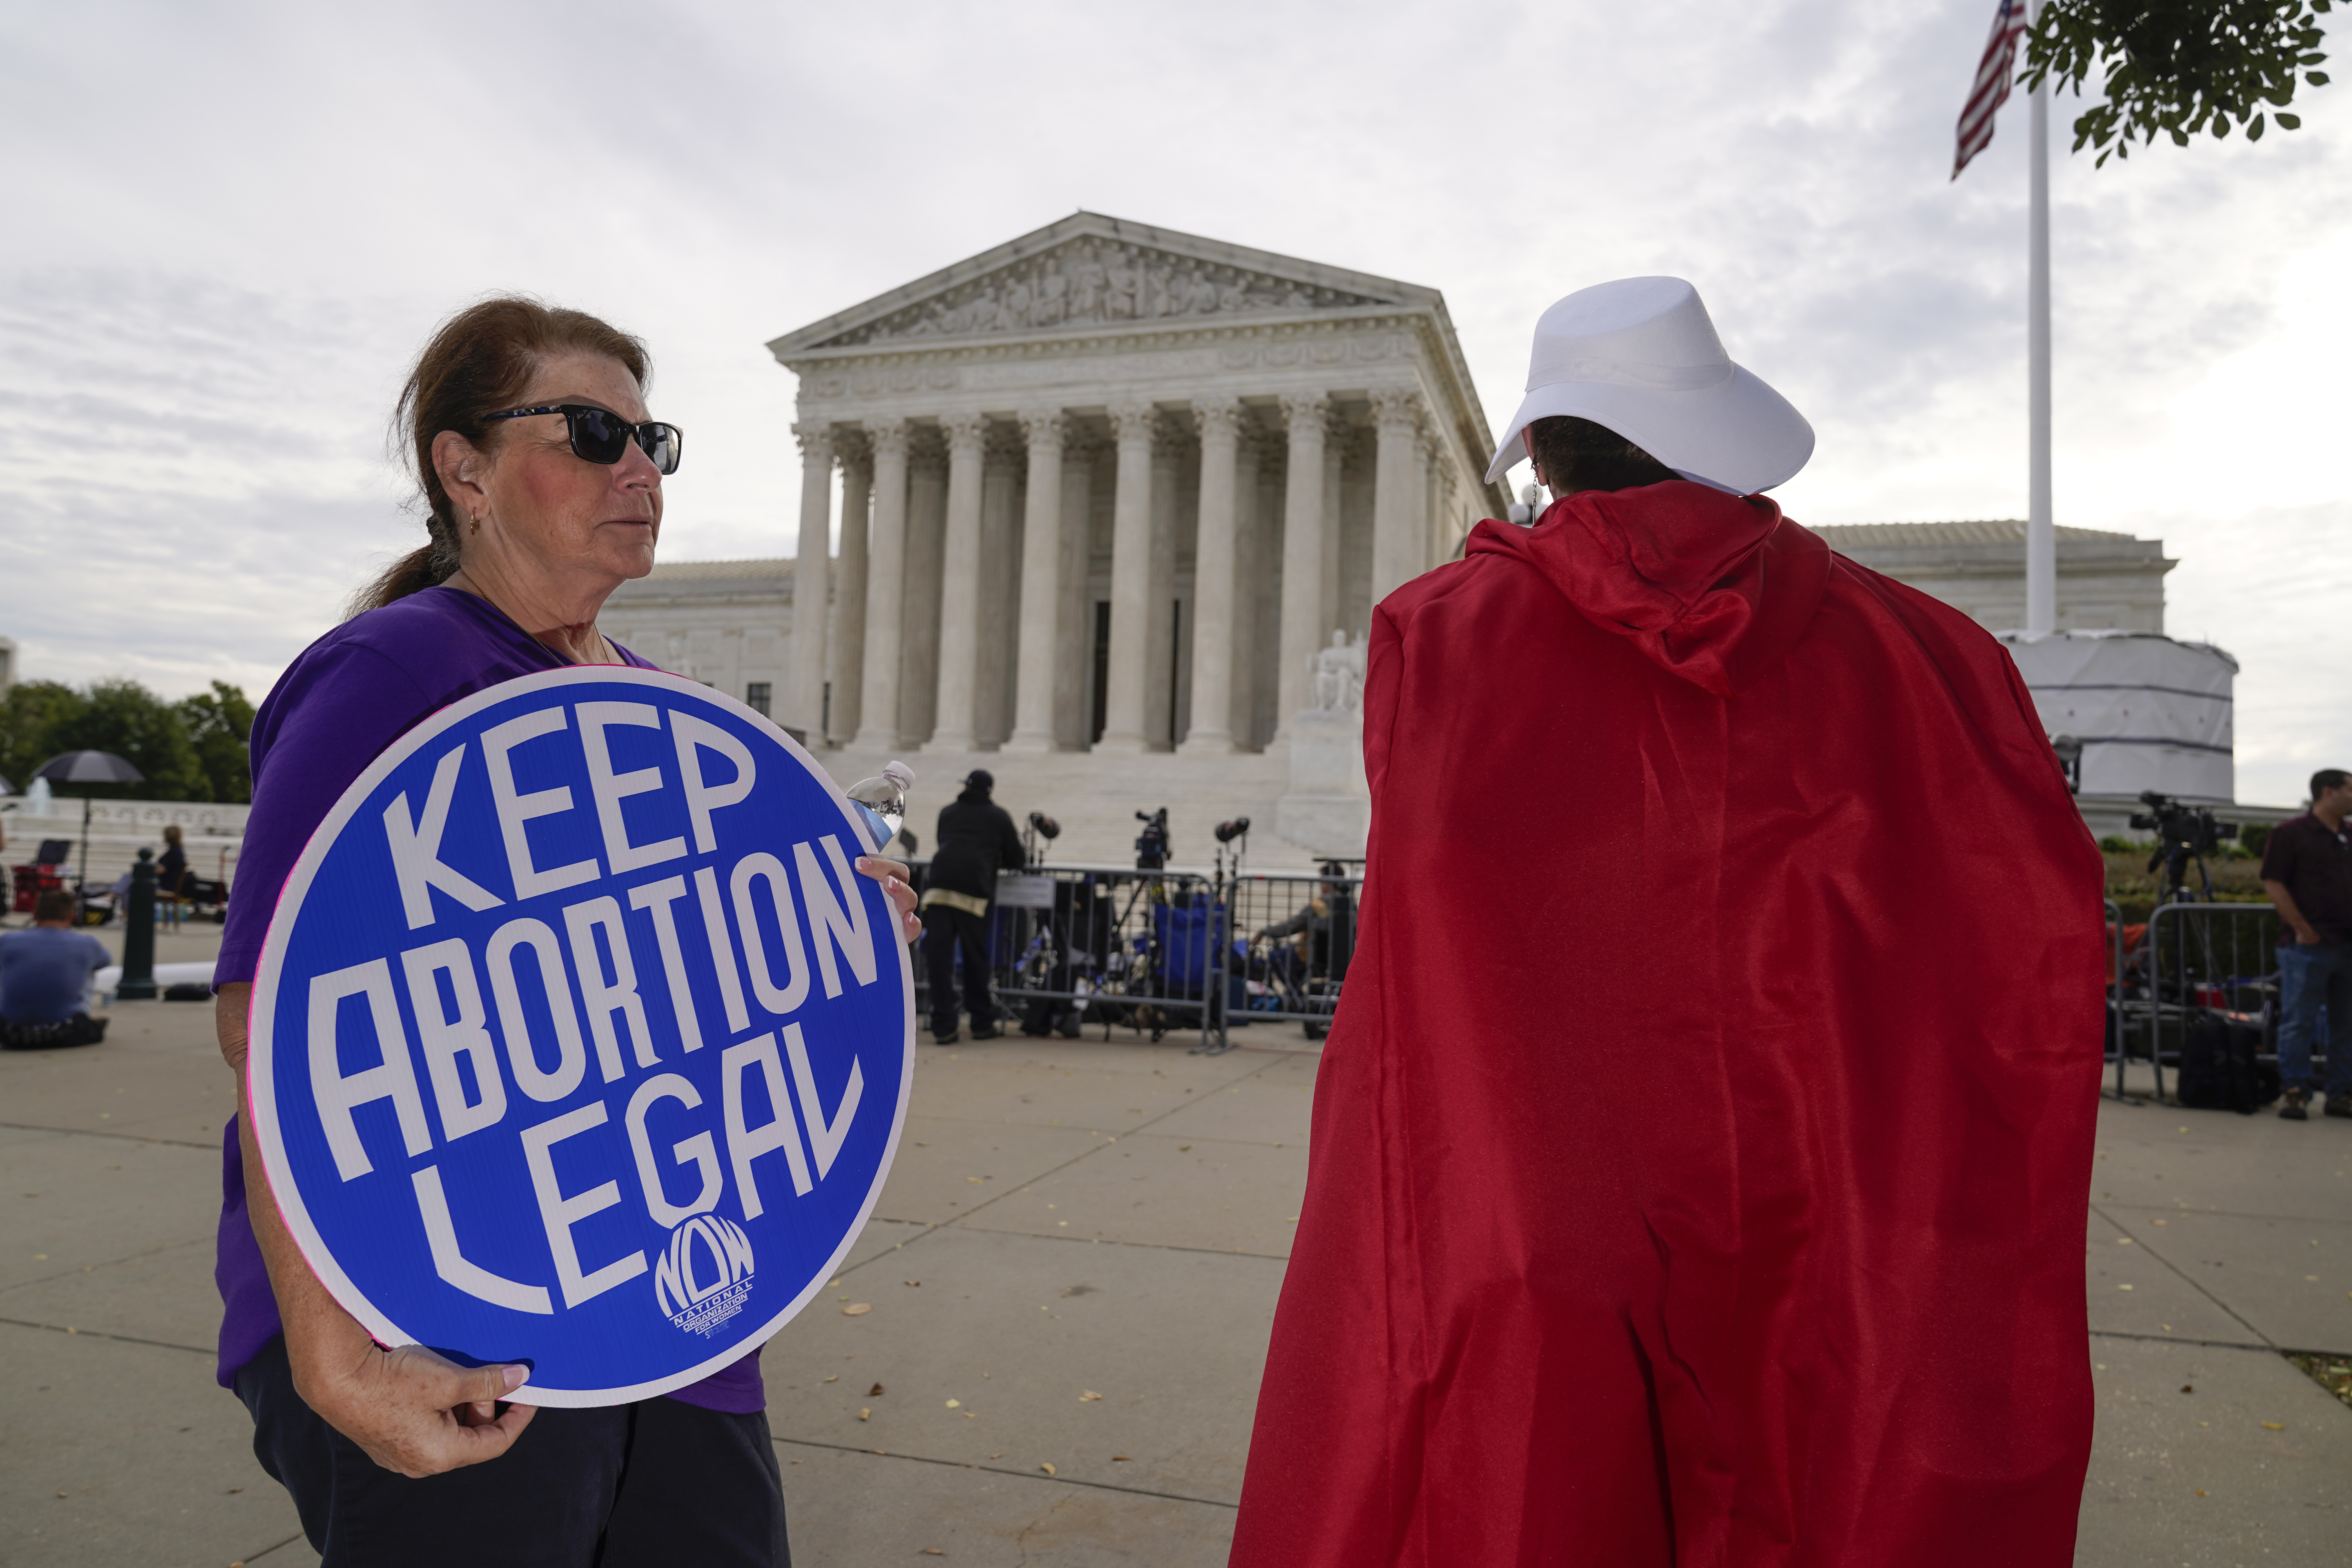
<point x="31" y="712"/>
<point x="125" y="718"/>
<point x="218" y="722"/>
<point x="2177" y="68"/>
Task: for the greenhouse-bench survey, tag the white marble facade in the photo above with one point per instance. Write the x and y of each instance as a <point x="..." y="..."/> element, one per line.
<point x="2107" y="582"/>
<point x="724" y="622"/>
<point x="1110" y="488"/>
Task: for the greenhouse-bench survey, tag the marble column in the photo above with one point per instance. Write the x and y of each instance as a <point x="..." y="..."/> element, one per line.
<point x="1302" y="556"/>
<point x="1253" y="574"/>
<point x="1436" y="522"/>
<point x="1398" y="486"/>
<point x="886" y="586"/>
<point x="1213" y="558"/>
<point x="1262" y="669"/>
<point x="803" y="707"/>
<point x="1132" y="425"/>
<point x="847" y="643"/>
<point x="1162" y="701"/>
<point x="1339" y="570"/>
<point x="956" y="729"/>
<point x="1000" y="588"/>
<point x="1041" y="585"/>
<point x="926" y="511"/>
<point x="1074" y="648"/>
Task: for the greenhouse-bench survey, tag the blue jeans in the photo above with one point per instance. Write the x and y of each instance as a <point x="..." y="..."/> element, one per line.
<point x="2310" y="978"/>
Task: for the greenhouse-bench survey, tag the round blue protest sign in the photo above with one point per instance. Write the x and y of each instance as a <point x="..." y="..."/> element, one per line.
<point x="578" y="1041"/>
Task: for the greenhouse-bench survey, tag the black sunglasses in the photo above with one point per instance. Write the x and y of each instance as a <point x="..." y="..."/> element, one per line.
<point x="601" y="436"/>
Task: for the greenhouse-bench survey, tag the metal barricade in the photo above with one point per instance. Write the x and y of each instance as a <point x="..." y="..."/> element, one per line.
<point x="2115" y="1035"/>
<point x="1072" y="947"/>
<point x="1294" y="938"/>
<point x="1075" y="946"/>
<point x="2200" y="959"/>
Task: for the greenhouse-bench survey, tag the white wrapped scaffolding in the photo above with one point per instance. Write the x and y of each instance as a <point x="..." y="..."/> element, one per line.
<point x="2152" y="713"/>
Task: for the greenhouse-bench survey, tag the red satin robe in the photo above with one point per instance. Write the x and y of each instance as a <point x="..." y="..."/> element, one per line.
<point x="1702" y="1151"/>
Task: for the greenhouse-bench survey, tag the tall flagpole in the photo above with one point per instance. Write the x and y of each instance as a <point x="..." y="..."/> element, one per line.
<point x="2041" y="533"/>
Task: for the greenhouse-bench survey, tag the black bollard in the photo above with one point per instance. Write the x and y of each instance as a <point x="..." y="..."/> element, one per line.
<point x="138" y="982"/>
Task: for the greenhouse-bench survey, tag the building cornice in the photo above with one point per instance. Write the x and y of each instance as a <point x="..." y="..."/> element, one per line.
<point x="903" y="363"/>
<point x="1105" y="337"/>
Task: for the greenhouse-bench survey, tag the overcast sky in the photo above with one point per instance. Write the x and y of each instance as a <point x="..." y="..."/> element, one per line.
<point x="229" y="227"/>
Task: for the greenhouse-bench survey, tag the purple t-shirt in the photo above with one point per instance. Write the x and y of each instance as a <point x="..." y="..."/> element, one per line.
<point x="350" y="695"/>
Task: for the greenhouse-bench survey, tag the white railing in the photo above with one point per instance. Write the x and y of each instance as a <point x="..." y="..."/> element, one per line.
<point x="118" y="829"/>
<point x="211" y="820"/>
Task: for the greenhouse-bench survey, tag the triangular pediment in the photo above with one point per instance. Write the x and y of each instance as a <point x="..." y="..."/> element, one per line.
<point x="1095" y="271"/>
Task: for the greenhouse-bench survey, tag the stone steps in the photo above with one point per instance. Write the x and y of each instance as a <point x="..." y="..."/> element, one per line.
<point x="1095" y="798"/>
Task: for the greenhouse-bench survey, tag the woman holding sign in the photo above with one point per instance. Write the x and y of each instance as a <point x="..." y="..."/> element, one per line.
<point x="541" y="476"/>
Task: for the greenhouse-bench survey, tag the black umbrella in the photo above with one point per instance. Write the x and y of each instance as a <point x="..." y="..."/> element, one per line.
<point x="88" y="768"/>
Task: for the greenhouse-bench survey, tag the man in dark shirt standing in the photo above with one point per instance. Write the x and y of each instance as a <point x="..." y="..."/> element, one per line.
<point x="977" y="839"/>
<point x="2308" y="871"/>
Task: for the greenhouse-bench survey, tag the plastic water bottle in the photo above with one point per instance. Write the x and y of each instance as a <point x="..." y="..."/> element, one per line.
<point x="882" y="800"/>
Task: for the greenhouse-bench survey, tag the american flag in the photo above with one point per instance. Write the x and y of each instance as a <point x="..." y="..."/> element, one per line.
<point x="1990" y="89"/>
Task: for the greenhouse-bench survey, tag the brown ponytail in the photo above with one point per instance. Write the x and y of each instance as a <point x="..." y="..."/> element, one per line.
<point x="479" y="363"/>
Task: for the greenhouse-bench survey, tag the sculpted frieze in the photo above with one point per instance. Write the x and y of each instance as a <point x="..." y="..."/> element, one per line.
<point x="1185" y="362"/>
<point x="1093" y="281"/>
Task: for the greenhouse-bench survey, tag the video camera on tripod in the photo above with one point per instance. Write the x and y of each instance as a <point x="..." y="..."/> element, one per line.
<point x="2183" y="834"/>
<point x="1040" y="826"/>
<point x="1228" y="832"/>
<point x="1152" y="843"/>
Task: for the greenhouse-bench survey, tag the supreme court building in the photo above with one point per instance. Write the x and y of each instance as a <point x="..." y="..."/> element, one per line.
<point x="1104" y="491"/>
<point x="1107" y="487"/>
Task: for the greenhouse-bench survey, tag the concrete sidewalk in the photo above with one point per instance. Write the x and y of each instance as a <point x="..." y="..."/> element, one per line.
<point x="2216" y="1243"/>
<point x="1080" y="1247"/>
<point x="1072" y="1282"/>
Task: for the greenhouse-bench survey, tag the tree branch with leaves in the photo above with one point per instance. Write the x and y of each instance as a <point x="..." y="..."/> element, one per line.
<point x="2177" y="68"/>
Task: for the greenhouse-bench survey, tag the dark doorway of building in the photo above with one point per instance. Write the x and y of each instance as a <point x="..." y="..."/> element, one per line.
<point x="1101" y="672"/>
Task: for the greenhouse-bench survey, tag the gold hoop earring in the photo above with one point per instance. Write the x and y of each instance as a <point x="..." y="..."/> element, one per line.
<point x="476" y="520"/>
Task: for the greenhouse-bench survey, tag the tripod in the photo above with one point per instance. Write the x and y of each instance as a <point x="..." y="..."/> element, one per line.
<point x="2175" y="857"/>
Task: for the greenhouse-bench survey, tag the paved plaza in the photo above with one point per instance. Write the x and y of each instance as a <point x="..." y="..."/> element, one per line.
<point x="1068" y="1284"/>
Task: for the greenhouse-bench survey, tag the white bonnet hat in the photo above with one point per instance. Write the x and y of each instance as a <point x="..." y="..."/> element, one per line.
<point x="1641" y="356"/>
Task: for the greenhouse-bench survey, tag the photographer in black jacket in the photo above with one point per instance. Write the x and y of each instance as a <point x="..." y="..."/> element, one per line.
<point x="976" y="841"/>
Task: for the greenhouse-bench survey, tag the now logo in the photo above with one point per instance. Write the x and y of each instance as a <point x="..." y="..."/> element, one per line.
<point x="704" y="1274"/>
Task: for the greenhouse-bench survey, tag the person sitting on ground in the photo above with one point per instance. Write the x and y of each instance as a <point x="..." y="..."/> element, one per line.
<point x="44" y="974"/>
<point x="1309" y="930"/>
<point x="977" y="840"/>
<point x="170" y="876"/>
<point x="1312" y="917"/>
<point x="2308" y="871"/>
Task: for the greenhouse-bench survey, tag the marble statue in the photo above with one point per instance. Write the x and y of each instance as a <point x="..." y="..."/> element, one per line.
<point x="1339" y="675"/>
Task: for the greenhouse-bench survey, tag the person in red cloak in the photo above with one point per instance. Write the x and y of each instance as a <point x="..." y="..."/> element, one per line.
<point x="1715" y="1192"/>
